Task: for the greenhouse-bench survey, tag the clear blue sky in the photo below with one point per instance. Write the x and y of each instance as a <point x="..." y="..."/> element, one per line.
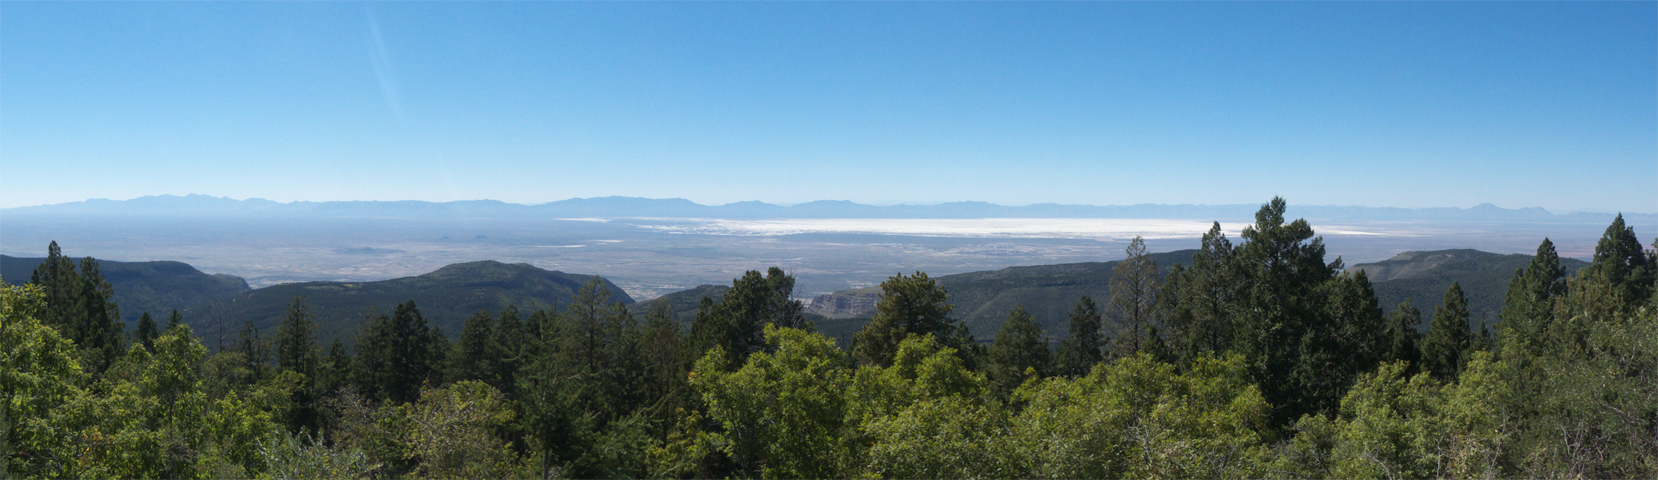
<point x="1549" y="104"/>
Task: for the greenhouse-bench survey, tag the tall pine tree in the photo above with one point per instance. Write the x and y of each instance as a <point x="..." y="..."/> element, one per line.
<point x="1445" y="348"/>
<point x="1083" y="349"/>
<point x="913" y="305"/>
<point x="1133" y="312"/>
<point x="1019" y="352"/>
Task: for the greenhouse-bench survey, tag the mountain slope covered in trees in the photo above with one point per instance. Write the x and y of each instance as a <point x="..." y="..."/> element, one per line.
<point x="447" y="297"/>
<point x="154" y="287"/>
<point x="1423" y="277"/>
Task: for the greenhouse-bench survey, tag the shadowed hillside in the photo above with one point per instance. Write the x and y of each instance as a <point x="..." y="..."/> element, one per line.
<point x="1423" y="277"/>
<point x="155" y="287"/>
<point x="446" y="297"/>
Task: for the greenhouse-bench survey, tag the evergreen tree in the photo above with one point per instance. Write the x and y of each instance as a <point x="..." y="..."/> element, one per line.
<point x="255" y="350"/>
<point x="1079" y="353"/>
<point x="61" y="287"/>
<point x="100" y="331"/>
<point x="1621" y="263"/>
<point x="1449" y="338"/>
<point x="914" y="305"/>
<point x="146" y="332"/>
<point x="296" y="339"/>
<point x="335" y="371"/>
<point x="1019" y="352"/>
<point x="174" y="320"/>
<point x="1402" y="336"/>
<point x="1134" y="287"/>
<point x="1528" y="307"/>
<point x="297" y="351"/>
<point x="1281" y="269"/>
<point x="475" y="356"/>
<point x="437" y="355"/>
<point x="394" y="355"/>
<point x="1198" y="304"/>
<point x="78" y="305"/>
<point x="737" y="322"/>
<point x="510" y="344"/>
<point x="1349" y="342"/>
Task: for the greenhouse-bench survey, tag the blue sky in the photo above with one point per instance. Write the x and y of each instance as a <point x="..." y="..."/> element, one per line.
<point x="1548" y="104"/>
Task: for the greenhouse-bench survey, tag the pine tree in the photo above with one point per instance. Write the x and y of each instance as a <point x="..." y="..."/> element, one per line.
<point x="1281" y="269"/>
<point x="914" y="305"/>
<point x="335" y="371"/>
<point x="146" y="333"/>
<point x="1018" y="353"/>
<point x="62" y="286"/>
<point x="174" y="320"/>
<point x="1528" y="307"/>
<point x="1449" y="338"/>
<point x="78" y="305"/>
<point x="1134" y="288"/>
<point x="1198" y="303"/>
<point x="394" y="355"/>
<point x="1402" y="337"/>
<point x="1079" y="353"/>
<point x="736" y="323"/>
<point x="510" y="344"/>
<point x="296" y="339"/>
<point x="255" y="350"/>
<point x="297" y="351"/>
<point x="1623" y="266"/>
<point x="475" y="356"/>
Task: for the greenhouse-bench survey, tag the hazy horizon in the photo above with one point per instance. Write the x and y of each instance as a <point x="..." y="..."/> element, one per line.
<point x="874" y="204"/>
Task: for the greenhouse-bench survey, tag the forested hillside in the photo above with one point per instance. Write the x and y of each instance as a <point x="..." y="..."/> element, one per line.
<point x="447" y="296"/>
<point x="155" y="287"/>
<point x="1258" y="358"/>
<point x="1424" y="276"/>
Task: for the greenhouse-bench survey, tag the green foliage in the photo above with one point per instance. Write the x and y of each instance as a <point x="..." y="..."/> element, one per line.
<point x="1401" y="337"/>
<point x="395" y="356"/>
<point x="735" y="324"/>
<point x="1139" y="418"/>
<point x="299" y="457"/>
<point x="1079" y="352"/>
<point x="146" y="332"/>
<point x="452" y="432"/>
<point x="781" y="413"/>
<point x="1197" y="303"/>
<point x="78" y="305"/>
<point x="1528" y="308"/>
<point x="296" y="351"/>
<point x="1132" y="311"/>
<point x="40" y="373"/>
<point x="1019" y="354"/>
<point x="1446" y="346"/>
<point x="908" y="305"/>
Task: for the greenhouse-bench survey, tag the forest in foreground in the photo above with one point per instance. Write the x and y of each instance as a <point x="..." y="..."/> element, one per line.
<point x="1260" y="359"/>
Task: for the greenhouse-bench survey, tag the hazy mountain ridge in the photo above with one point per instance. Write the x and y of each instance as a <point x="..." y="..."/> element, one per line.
<point x="446" y="298"/>
<point x="154" y="287"/>
<point x="617" y="207"/>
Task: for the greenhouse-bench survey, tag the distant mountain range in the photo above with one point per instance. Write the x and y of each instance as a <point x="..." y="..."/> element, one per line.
<point x="620" y="207"/>
<point x="154" y="287"/>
